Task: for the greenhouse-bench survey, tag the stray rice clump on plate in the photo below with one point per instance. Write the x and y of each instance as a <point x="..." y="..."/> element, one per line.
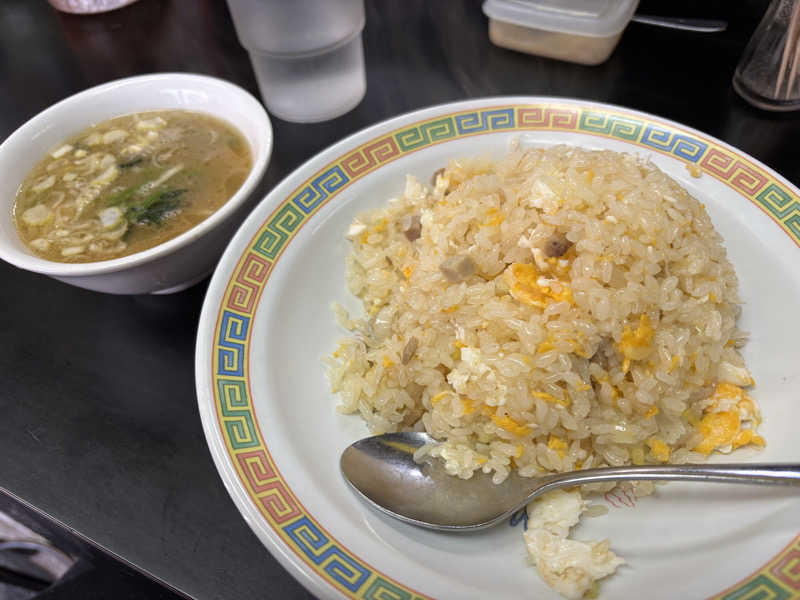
<point x="558" y="309"/>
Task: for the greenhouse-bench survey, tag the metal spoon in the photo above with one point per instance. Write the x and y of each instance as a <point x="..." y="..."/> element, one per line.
<point x="382" y="470"/>
<point x="687" y="24"/>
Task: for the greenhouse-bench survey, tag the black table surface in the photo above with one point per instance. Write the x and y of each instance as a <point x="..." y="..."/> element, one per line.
<point x="99" y="425"/>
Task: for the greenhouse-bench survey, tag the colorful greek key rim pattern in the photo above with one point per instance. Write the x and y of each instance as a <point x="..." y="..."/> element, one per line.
<point x="246" y="447"/>
<point x="779" y="579"/>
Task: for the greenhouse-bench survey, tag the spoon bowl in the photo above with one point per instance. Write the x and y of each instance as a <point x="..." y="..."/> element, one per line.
<point x="382" y="470"/>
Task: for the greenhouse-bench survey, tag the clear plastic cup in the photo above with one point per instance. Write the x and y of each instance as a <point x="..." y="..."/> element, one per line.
<point x="307" y="54"/>
<point x="80" y="7"/>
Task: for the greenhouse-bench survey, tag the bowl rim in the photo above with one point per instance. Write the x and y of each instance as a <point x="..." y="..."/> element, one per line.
<point x="261" y="159"/>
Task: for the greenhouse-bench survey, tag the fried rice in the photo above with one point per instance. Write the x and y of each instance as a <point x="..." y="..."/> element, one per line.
<point x="553" y="310"/>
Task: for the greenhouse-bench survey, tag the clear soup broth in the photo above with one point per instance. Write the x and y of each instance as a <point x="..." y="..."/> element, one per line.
<point x="128" y="184"/>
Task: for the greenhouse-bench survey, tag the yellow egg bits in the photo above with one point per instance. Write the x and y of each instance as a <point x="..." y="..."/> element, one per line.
<point x="730" y="421"/>
<point x="636" y="344"/>
<point x="527" y="286"/>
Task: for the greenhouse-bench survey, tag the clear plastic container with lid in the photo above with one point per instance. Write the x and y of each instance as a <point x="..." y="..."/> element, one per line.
<point x="580" y="31"/>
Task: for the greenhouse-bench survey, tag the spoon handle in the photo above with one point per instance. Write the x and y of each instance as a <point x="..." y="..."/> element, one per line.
<point x="687" y="24"/>
<point x="765" y="474"/>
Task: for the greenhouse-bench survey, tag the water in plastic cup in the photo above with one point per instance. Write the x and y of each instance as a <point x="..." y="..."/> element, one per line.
<point x="307" y="54"/>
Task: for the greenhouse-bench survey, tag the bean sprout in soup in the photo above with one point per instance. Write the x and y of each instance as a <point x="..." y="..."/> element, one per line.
<point x="128" y="184"/>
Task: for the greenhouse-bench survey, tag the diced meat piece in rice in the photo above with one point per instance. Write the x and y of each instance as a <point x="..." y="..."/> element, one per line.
<point x="556" y="246"/>
<point x="411" y="226"/>
<point x="458" y="268"/>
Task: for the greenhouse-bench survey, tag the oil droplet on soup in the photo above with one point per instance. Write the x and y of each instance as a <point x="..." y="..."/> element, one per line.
<point x="128" y="184"/>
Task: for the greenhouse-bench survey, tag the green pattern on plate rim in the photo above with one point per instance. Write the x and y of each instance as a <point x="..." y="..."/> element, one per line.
<point x="246" y="447"/>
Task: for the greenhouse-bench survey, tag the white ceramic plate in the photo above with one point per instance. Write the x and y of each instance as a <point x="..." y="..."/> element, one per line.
<point x="276" y="438"/>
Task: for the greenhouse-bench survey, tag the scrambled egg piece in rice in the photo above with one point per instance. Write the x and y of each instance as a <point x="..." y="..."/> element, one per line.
<point x="730" y="421"/>
<point x="571" y="567"/>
